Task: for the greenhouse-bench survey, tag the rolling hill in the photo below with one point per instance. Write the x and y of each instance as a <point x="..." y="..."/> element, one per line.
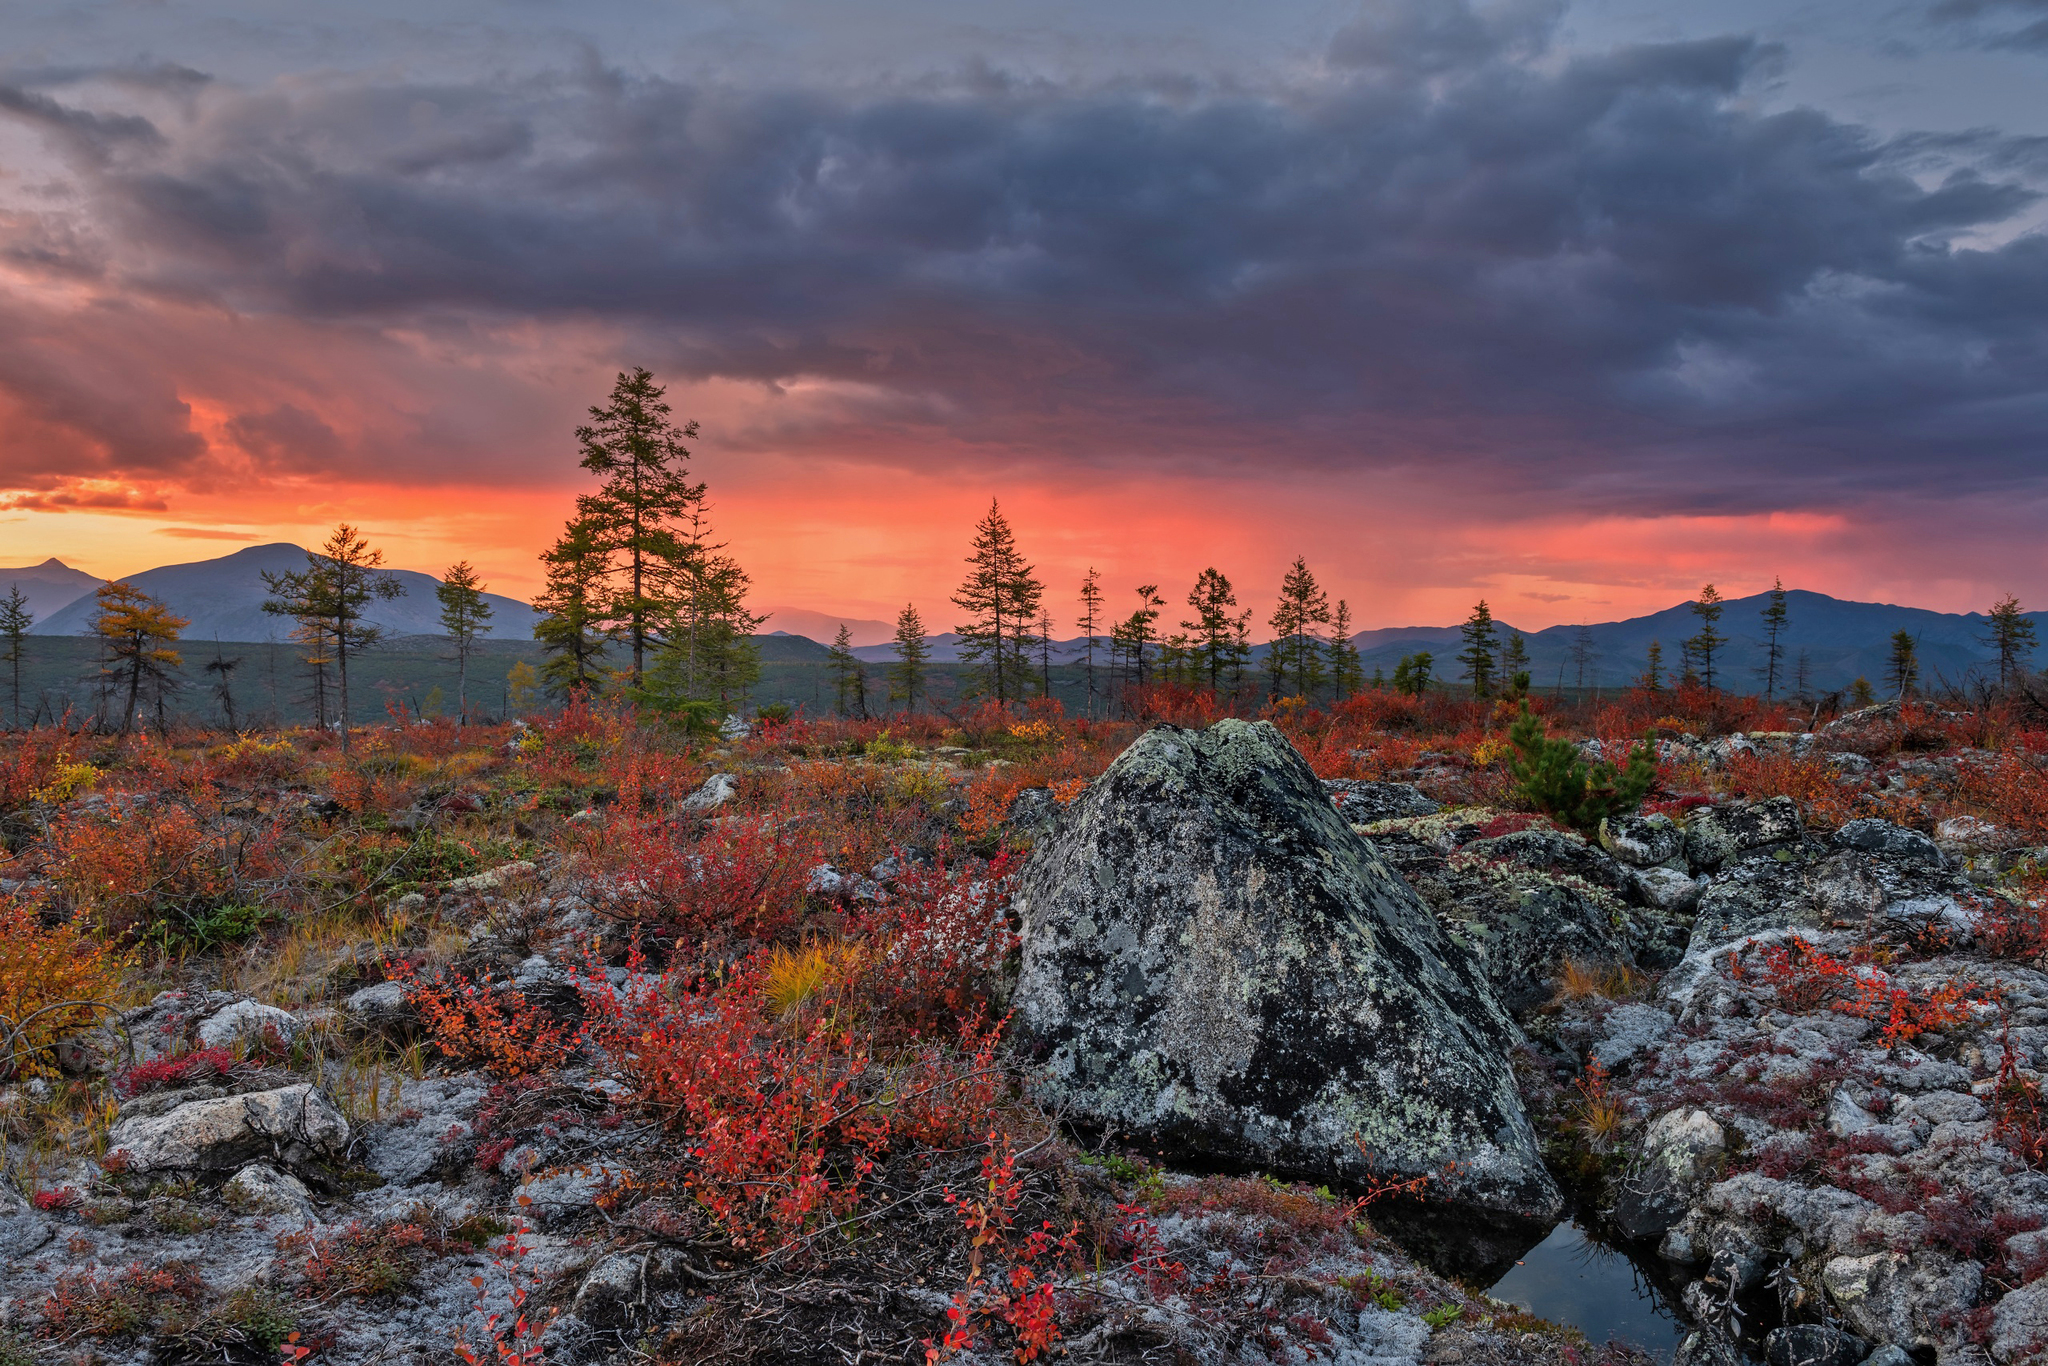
<point x="49" y="586"/>
<point x="223" y="600"/>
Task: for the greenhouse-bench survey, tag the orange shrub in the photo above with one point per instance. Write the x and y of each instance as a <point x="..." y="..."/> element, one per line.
<point x="42" y="968"/>
<point x="163" y="864"/>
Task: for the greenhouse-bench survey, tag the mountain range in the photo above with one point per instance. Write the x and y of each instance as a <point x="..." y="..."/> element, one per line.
<point x="223" y="598"/>
<point x="1833" y="640"/>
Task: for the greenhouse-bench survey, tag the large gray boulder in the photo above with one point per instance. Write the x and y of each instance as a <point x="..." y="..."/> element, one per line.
<point x="221" y="1133"/>
<point x="1213" y="960"/>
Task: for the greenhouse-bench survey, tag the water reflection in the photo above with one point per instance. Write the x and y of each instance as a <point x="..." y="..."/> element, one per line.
<point x="1568" y="1278"/>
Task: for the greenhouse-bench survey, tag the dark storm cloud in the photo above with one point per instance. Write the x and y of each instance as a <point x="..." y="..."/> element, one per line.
<point x="2018" y="24"/>
<point x="1447" y="244"/>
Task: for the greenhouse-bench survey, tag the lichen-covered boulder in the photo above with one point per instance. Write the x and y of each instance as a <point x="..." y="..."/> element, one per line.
<point x="220" y="1133"/>
<point x="1214" y="960"/>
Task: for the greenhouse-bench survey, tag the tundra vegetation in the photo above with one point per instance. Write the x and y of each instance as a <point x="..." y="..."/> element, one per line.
<point x="700" y="1045"/>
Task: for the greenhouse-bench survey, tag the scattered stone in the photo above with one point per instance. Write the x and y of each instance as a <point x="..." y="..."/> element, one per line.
<point x="490" y="880"/>
<point x="1213" y="959"/>
<point x="1361" y="802"/>
<point x="1892" y="841"/>
<point x="245" y="1022"/>
<point x="1681" y="1151"/>
<point x="1717" y="834"/>
<point x="261" y="1188"/>
<point x="714" y="792"/>
<point x="1644" y="841"/>
<point x="381" y="1009"/>
<point x="1812" y="1344"/>
<point x="1669" y="889"/>
<point x="22" y="1230"/>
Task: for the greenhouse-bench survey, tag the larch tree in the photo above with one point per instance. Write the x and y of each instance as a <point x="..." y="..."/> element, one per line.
<point x="223" y="670"/>
<point x="1001" y="598"/>
<point x="1216" y="630"/>
<point x="336" y="588"/>
<point x="846" y="670"/>
<point x="1777" y="617"/>
<point x="1653" y="668"/>
<point x="572" y="630"/>
<point x="1302" y="606"/>
<point x="906" y="675"/>
<point x="640" y="509"/>
<point x="1902" y="666"/>
<point x="1514" y="659"/>
<point x="1090" y="622"/>
<point x="1347" y="671"/>
<point x="136" y="634"/>
<point x="1584" y="656"/>
<point x="465" y="615"/>
<point x="15" y="619"/>
<point x="1043" y="631"/>
<point x="1701" y="648"/>
<point x="2012" y="636"/>
<point x="1477" y="656"/>
<point x="1131" y="639"/>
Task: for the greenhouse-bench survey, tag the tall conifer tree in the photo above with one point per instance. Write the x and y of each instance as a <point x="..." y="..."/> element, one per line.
<point x="136" y="633"/>
<point x="15" y="619"/>
<point x="333" y="594"/>
<point x="1090" y="623"/>
<point x="1302" y="606"/>
<point x="1001" y="597"/>
<point x="1776" y="618"/>
<point x="464" y="616"/>
<point x="1700" y="650"/>
<point x="2012" y="636"/>
<point x="1477" y="656"/>
<point x="906" y="675"/>
<point x="573" y="632"/>
<point x="1216" y="629"/>
<point x="639" y="511"/>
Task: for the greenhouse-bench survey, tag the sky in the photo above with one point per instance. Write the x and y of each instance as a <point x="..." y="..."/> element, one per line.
<point x="1572" y="306"/>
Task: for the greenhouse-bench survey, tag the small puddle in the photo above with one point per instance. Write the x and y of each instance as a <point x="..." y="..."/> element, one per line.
<point x="1569" y="1278"/>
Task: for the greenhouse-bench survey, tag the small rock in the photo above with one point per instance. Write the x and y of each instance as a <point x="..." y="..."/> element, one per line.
<point x="1717" y="834"/>
<point x="1669" y="889"/>
<point x="1680" y="1151"/>
<point x="1812" y="1344"/>
<point x="490" y="879"/>
<point x="715" y="791"/>
<point x="1643" y="841"/>
<point x="245" y="1022"/>
<point x="22" y="1230"/>
<point x="381" y="1009"/>
<point x="1875" y="836"/>
<point x="260" y="1188"/>
<point x="2020" y="1322"/>
<point x="1970" y="833"/>
<point x="1362" y="802"/>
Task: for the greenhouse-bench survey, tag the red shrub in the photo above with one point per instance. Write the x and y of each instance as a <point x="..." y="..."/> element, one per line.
<point x="484" y="1021"/>
<point x="782" y="1129"/>
<point x="1003" y="1284"/>
<point x="1805" y="978"/>
<point x="161" y="1074"/>
<point x="745" y="876"/>
<point x="940" y="940"/>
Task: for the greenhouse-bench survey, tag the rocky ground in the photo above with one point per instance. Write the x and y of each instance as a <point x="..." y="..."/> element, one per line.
<point x="628" y="1088"/>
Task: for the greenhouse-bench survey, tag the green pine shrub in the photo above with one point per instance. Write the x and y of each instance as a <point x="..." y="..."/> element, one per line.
<point x="1551" y="777"/>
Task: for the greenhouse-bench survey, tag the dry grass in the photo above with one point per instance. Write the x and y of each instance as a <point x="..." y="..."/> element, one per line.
<point x="1580" y="981"/>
